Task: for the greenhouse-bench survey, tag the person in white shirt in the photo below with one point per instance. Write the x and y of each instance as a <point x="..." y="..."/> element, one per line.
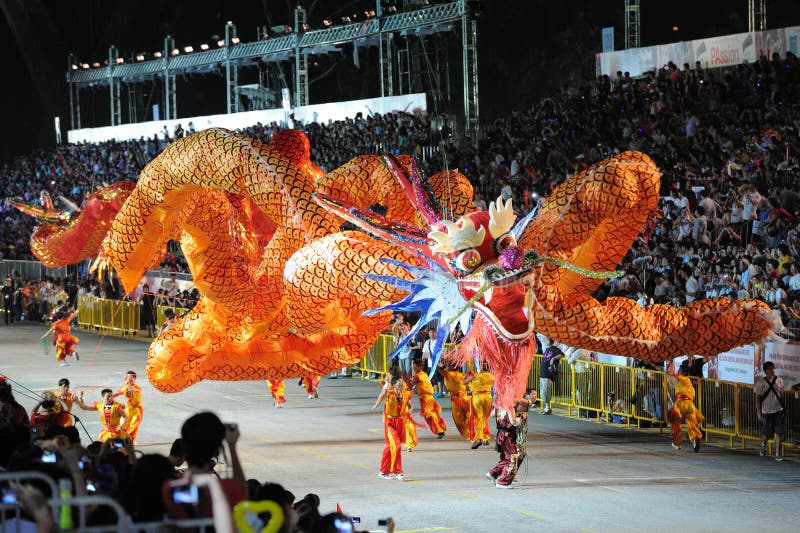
<point x="427" y="357"/>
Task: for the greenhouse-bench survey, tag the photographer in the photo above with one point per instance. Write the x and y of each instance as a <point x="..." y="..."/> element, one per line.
<point x="199" y="493"/>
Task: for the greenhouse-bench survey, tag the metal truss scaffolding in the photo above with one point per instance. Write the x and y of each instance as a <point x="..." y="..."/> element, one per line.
<point x="378" y="31"/>
<point x="632" y="24"/>
<point x="756" y="15"/>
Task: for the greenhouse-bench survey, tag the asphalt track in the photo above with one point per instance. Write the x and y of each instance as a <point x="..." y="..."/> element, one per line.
<point x="581" y="476"/>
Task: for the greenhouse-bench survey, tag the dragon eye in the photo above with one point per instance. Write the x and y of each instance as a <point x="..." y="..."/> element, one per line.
<point x="467" y="261"/>
<point x="504" y="242"/>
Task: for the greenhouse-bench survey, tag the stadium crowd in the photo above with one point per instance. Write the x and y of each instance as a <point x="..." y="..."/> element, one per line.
<point x="726" y="140"/>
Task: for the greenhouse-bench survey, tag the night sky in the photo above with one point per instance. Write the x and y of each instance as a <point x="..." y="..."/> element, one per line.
<point x="527" y="49"/>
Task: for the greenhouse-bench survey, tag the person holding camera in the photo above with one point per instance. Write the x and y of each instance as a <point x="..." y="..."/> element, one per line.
<point x="548" y="371"/>
<point x="112" y="415"/>
<point x="200" y="493"/>
<point x="769" y="409"/>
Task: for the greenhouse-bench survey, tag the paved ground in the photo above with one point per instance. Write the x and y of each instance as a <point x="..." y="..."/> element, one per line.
<point x="582" y="476"/>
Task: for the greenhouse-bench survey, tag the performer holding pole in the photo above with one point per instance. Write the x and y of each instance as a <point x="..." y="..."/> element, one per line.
<point x="61" y="336"/>
<point x="684" y="409"/>
<point x="134" y="410"/>
<point x="397" y="398"/>
<point x="112" y="415"/>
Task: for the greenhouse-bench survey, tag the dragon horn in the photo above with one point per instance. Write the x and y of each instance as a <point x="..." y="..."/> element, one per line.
<point x="418" y="193"/>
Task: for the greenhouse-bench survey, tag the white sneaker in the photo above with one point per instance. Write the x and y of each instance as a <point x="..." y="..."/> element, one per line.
<point x="399" y="477"/>
<point x="408" y="449"/>
<point x="384" y="476"/>
<point x="490" y="477"/>
<point x="675" y="446"/>
<point x="762" y="450"/>
<point x="779" y="457"/>
<point x="499" y="486"/>
<point x="64" y="363"/>
<point x="310" y="396"/>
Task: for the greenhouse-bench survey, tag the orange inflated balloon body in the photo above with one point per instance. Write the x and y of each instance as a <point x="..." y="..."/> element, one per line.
<point x="282" y="288"/>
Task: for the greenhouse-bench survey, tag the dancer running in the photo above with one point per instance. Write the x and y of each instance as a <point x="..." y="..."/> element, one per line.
<point x="62" y="339"/>
<point x="459" y="401"/>
<point x="685" y="410"/>
<point x="481" y="386"/>
<point x="428" y="406"/>
<point x="134" y="410"/>
<point x="277" y="389"/>
<point x="311" y="383"/>
<point x="397" y="399"/>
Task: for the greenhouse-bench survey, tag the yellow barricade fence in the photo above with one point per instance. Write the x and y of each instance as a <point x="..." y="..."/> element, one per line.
<point x="116" y="317"/>
<point x="636" y="397"/>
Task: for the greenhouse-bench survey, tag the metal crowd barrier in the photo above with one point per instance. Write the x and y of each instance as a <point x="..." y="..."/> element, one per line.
<point x="116" y="317"/>
<point x="33" y="270"/>
<point x="637" y="397"/>
<point x="11" y="518"/>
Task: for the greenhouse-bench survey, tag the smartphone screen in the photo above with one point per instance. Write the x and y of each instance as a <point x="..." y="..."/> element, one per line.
<point x="118" y="443"/>
<point x="49" y="457"/>
<point x="9" y="497"/>
<point x="185" y="494"/>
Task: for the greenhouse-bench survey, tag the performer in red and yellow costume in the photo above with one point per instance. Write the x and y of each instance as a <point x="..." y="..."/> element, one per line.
<point x="66" y="398"/>
<point x="481" y="386"/>
<point x="134" y="409"/>
<point x="311" y="383"/>
<point x="112" y="415"/>
<point x="459" y="401"/>
<point x="64" y="341"/>
<point x="430" y="408"/>
<point x="397" y="398"/>
<point x="685" y="410"/>
<point x="277" y="389"/>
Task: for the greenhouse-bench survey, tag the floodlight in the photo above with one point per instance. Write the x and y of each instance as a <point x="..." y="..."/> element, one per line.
<point x="188" y="49"/>
<point x="204" y="46"/>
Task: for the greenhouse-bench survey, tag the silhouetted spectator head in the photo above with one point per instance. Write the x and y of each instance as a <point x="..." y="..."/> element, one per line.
<point x="202" y="435"/>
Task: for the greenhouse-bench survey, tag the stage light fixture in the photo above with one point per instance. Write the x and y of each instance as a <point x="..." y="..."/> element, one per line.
<point x="234" y="40"/>
<point x="74" y="67"/>
<point x="96" y="64"/>
<point x="156" y="54"/>
<point x="369" y="14"/>
<point x="391" y="9"/>
<point x="204" y="46"/>
<point x="327" y="23"/>
<point x="346" y="20"/>
<point x="86" y="65"/>
<point x="188" y="49"/>
<point x="220" y="43"/>
<point x="175" y="52"/>
<point x="139" y="57"/>
<point x="304" y="27"/>
<point x="120" y="60"/>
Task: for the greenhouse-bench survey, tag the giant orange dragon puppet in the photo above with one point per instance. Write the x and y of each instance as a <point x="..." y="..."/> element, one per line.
<point x="287" y="293"/>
